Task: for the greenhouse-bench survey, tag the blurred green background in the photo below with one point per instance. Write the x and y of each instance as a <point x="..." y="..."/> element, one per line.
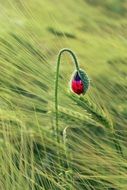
<point x="92" y="152"/>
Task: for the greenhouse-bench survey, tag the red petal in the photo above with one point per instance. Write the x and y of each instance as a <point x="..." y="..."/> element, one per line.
<point x="77" y="86"/>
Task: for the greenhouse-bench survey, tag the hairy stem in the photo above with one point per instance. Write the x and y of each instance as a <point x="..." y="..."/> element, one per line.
<point x="75" y="61"/>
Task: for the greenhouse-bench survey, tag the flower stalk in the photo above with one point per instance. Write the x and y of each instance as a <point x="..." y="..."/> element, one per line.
<point x="80" y="79"/>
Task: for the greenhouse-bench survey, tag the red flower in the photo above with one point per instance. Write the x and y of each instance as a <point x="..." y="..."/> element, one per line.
<point x="77" y="84"/>
<point x="77" y="87"/>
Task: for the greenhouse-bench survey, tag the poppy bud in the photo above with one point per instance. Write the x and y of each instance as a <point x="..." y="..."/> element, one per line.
<point x="79" y="82"/>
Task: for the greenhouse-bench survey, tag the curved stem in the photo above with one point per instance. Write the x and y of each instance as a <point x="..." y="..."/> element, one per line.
<point x="56" y="82"/>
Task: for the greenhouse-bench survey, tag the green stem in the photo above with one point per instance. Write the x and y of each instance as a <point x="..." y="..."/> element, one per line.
<point x="75" y="61"/>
